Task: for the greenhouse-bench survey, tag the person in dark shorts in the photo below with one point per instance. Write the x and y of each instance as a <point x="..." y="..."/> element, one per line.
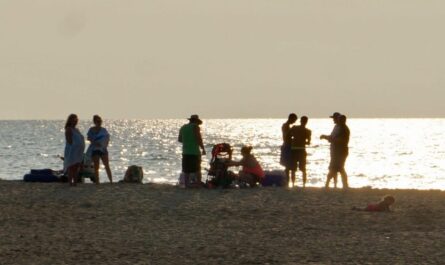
<point x="300" y="137"/>
<point x="286" y="155"/>
<point x="339" y="140"/>
<point x="191" y="139"/>
<point x="98" y="149"/>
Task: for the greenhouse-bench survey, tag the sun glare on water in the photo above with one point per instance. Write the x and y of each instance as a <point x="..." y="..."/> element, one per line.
<point x="384" y="153"/>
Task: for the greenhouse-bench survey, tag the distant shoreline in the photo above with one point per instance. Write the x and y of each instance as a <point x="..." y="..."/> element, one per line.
<point x="170" y="185"/>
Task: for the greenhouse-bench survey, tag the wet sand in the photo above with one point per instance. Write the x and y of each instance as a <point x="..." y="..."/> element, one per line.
<point x="160" y="224"/>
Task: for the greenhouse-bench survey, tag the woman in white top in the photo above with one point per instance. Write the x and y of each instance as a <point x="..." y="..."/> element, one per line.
<point x="98" y="149"/>
<point x="74" y="148"/>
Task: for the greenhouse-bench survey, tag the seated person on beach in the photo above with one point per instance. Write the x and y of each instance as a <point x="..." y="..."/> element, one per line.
<point x="382" y="206"/>
<point x="251" y="172"/>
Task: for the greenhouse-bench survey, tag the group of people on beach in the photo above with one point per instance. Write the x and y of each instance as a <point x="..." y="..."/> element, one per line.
<point x="193" y="148"/>
<point x="296" y="138"/>
<point x="74" y="154"/>
<point x="293" y="151"/>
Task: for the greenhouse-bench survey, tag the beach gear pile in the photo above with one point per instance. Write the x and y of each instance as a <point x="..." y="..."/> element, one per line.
<point x="134" y="174"/>
<point x="44" y="175"/>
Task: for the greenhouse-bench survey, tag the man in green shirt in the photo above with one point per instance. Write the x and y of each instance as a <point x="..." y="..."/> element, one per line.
<point x="191" y="139"/>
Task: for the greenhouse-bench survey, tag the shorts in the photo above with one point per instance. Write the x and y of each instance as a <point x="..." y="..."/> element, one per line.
<point x="298" y="159"/>
<point x="99" y="153"/>
<point x="191" y="163"/>
<point x="286" y="156"/>
<point x="338" y="159"/>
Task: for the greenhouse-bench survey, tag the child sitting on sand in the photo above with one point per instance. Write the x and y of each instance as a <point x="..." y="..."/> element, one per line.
<point x="382" y="206"/>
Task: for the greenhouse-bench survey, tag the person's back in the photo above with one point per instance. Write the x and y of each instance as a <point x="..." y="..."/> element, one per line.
<point x="250" y="164"/>
<point x="344" y="135"/>
<point x="190" y="145"/>
<point x="341" y="139"/>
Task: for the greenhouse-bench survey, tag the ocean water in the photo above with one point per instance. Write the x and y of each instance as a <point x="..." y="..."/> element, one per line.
<point x="384" y="153"/>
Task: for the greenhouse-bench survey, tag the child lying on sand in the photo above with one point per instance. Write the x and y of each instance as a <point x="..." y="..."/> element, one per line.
<point x="382" y="206"/>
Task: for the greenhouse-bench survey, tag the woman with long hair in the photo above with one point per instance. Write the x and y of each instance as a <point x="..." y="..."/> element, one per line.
<point x="74" y="148"/>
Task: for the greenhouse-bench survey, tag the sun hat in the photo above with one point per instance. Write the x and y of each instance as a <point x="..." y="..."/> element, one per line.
<point x="196" y="118"/>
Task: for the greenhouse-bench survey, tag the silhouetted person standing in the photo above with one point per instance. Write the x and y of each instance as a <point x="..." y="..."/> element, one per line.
<point x="339" y="140"/>
<point x="300" y="137"/>
<point x="286" y="154"/>
<point x="191" y="139"/>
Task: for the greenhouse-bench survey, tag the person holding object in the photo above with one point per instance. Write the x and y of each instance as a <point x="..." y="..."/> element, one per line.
<point x="74" y="148"/>
<point x="98" y="150"/>
<point x="192" y="149"/>
<point x="339" y="150"/>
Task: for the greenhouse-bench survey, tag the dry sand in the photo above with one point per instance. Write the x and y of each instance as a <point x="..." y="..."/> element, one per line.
<point x="159" y="224"/>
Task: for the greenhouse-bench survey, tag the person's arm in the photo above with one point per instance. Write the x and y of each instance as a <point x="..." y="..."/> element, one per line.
<point x="89" y="136"/>
<point x="69" y="135"/>
<point x="326" y="137"/>
<point x="107" y="140"/>
<point x="180" y="136"/>
<point x="308" y="137"/>
<point x="199" y="139"/>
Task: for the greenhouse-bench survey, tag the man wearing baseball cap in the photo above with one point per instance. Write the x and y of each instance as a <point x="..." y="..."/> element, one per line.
<point x="339" y="139"/>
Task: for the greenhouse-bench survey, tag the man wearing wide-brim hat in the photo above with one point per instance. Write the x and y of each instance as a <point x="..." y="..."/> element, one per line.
<point x="192" y="149"/>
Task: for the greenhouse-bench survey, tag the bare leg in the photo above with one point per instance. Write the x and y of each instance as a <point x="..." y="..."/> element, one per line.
<point x="106" y="163"/>
<point x="344" y="178"/>
<point x="96" y="160"/>
<point x="331" y="175"/>
<point x="304" y="177"/>
<point x="335" y="180"/>
<point x="293" y="177"/>
<point x="73" y="171"/>
<point x="186" y="180"/>
<point x="287" y="171"/>
<point x="199" y="176"/>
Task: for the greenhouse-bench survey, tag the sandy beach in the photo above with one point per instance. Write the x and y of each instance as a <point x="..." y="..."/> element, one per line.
<point x="160" y="224"/>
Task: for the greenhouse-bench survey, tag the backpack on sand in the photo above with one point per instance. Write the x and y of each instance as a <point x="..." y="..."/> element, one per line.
<point x="134" y="174"/>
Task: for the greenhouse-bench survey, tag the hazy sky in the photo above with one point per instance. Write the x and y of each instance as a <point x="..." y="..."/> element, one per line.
<point x="225" y="59"/>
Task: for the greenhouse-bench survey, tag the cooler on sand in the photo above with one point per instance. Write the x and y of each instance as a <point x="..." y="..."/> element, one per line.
<point x="276" y="178"/>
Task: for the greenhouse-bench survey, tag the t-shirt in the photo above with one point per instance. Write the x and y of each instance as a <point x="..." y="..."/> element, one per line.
<point x="190" y="144"/>
<point x="251" y="165"/>
<point x="99" y="139"/>
<point x="340" y="138"/>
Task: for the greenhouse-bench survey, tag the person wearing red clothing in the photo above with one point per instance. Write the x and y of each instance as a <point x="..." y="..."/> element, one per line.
<point x="251" y="172"/>
<point x="382" y="206"/>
